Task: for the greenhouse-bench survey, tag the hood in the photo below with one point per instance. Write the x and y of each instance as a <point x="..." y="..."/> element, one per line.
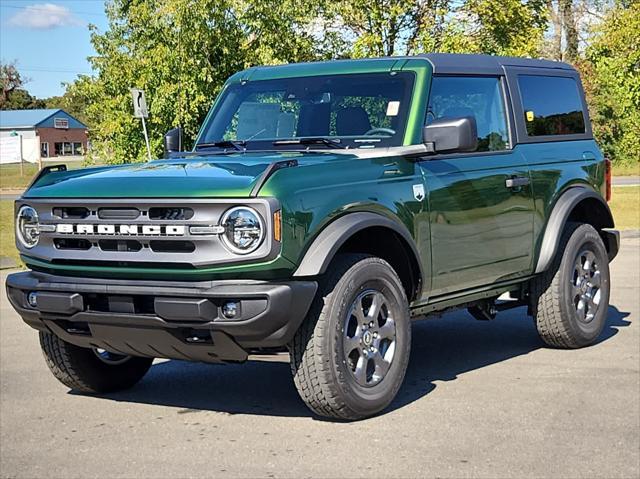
<point x="221" y="176"/>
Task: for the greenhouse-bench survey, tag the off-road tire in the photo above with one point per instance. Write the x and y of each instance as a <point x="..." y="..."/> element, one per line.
<point x="81" y="370"/>
<point x="553" y="303"/>
<point x="318" y="364"/>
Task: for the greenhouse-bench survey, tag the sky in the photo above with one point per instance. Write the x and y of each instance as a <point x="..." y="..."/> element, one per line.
<point x="49" y="40"/>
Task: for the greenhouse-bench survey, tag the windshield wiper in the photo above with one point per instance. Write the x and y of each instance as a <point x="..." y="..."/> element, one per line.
<point x="237" y="144"/>
<point x="317" y="140"/>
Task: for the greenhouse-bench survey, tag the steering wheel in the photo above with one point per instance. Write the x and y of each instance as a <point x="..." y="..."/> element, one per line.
<point x="375" y="131"/>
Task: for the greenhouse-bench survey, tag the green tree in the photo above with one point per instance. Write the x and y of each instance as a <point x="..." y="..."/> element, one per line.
<point x="181" y="52"/>
<point x="611" y="74"/>
<point x="400" y="27"/>
<point x="14" y="96"/>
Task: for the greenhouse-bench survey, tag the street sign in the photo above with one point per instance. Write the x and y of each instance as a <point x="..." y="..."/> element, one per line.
<point x="140" y="111"/>
<point x="139" y="104"/>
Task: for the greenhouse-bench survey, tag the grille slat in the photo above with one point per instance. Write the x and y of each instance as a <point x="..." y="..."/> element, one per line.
<point x="118" y="213"/>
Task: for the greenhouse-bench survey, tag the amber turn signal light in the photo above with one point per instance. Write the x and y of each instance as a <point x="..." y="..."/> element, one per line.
<point x="277" y="225"/>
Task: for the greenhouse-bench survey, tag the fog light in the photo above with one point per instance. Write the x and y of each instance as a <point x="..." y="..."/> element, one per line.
<point x="32" y="299"/>
<point x="230" y="309"/>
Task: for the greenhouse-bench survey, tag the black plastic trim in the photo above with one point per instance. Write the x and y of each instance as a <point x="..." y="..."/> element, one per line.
<point x="558" y="218"/>
<point x="44" y="172"/>
<point x="274" y="310"/>
<point x="317" y="258"/>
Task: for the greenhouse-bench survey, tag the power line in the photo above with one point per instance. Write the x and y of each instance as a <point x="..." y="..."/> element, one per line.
<point x="46" y="70"/>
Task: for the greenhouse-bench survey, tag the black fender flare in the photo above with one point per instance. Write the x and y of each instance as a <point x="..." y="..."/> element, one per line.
<point x="558" y="218"/>
<point x="325" y="246"/>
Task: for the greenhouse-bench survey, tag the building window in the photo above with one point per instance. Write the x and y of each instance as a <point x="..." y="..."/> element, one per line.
<point x="44" y="149"/>
<point x="61" y="123"/>
<point x="68" y="148"/>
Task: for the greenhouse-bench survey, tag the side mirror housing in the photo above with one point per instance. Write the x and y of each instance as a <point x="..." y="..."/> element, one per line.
<point x="172" y="142"/>
<point x="451" y="134"/>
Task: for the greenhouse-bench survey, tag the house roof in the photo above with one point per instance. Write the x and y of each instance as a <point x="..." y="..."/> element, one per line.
<point x="28" y="118"/>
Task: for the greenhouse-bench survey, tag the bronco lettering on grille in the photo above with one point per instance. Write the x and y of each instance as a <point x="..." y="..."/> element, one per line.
<point x="127" y="230"/>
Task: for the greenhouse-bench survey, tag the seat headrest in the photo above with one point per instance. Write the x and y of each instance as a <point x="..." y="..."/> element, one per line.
<point x="352" y="121"/>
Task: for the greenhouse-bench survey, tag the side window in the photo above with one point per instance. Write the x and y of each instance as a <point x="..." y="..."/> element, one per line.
<point x="551" y="105"/>
<point x="480" y="97"/>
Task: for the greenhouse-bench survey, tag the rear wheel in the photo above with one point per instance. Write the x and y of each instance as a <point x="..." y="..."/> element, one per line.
<point x="571" y="299"/>
<point x="91" y="370"/>
<point x="350" y="355"/>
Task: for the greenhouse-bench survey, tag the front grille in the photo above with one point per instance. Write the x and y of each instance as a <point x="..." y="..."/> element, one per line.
<point x="145" y="233"/>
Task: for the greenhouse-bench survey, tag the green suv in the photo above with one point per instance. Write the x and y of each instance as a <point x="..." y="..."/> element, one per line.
<point x="324" y="207"/>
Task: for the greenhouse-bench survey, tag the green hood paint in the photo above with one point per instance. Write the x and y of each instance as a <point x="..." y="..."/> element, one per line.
<point x="219" y="176"/>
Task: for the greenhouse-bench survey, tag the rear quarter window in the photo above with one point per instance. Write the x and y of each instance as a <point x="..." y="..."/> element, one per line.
<point x="551" y="105"/>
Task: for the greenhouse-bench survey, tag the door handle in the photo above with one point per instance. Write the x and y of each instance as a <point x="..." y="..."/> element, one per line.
<point x="516" y="182"/>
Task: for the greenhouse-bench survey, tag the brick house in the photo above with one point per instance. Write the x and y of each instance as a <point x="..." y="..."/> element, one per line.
<point x="45" y="133"/>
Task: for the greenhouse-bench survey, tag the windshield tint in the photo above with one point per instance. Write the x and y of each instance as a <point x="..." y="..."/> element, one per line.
<point x="359" y="110"/>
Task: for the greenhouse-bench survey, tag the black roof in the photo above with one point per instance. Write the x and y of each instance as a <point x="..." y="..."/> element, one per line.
<point x="487" y="64"/>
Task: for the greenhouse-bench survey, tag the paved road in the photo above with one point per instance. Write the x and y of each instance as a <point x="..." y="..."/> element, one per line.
<point x="481" y="399"/>
<point x="626" y="180"/>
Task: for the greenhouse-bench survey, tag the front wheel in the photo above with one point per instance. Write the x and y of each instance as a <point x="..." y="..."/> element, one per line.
<point x="350" y="355"/>
<point x="571" y="299"/>
<point x="91" y="370"/>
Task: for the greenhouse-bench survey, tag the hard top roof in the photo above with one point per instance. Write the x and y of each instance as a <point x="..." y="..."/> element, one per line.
<point x="466" y="63"/>
<point x="442" y="63"/>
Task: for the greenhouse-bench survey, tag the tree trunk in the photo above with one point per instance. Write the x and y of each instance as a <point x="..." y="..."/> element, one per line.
<point x="570" y="30"/>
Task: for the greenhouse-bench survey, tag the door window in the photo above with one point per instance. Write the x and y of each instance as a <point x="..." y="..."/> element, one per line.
<point x="479" y="97"/>
<point x="551" y="105"/>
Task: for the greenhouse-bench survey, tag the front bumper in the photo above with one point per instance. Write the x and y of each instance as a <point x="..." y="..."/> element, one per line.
<point x="178" y="320"/>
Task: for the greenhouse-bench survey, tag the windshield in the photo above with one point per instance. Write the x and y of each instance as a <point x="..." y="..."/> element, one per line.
<point x="333" y="111"/>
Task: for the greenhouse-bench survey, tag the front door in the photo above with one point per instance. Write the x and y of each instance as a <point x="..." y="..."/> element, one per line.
<point x="480" y="203"/>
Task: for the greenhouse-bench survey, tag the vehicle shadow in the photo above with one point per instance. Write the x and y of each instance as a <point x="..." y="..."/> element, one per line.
<point x="442" y="349"/>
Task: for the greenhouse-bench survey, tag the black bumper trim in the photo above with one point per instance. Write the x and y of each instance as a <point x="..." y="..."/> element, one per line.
<point x="272" y="313"/>
<point x="611" y="240"/>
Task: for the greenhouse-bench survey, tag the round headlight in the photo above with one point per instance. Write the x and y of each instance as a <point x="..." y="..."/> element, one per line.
<point x="244" y="229"/>
<point x="27" y="227"/>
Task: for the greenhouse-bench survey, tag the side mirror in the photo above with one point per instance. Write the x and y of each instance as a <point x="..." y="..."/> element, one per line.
<point x="451" y="134"/>
<point x="172" y="142"/>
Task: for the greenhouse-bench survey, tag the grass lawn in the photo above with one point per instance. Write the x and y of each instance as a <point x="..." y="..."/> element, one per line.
<point x="11" y="177"/>
<point x="7" y="242"/>
<point x="625" y="206"/>
<point x="627" y="169"/>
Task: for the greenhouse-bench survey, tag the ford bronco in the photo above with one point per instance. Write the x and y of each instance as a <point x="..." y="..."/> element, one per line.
<point x="324" y="207"/>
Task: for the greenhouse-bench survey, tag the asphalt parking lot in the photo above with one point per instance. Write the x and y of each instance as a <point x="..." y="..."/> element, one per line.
<point x="481" y="399"/>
